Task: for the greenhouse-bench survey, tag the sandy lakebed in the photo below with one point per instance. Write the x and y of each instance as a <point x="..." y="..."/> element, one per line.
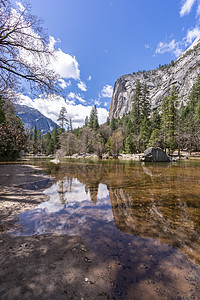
<point x="53" y="266"/>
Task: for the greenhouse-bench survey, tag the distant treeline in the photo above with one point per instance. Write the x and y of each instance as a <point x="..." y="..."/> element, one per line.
<point x="172" y="125"/>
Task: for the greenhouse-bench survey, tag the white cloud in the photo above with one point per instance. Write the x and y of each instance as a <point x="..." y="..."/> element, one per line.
<point x="69" y="83"/>
<point x="146" y="46"/>
<point x="97" y="102"/>
<point x="82" y="86"/>
<point x="63" y="84"/>
<point x="186" y="7"/>
<point x="178" y="47"/>
<point x="70" y="102"/>
<point x="65" y="65"/>
<point x="107" y="91"/>
<point x="174" y="47"/>
<point x="74" y="96"/>
<point x="62" y="63"/>
<point x="106" y="104"/>
<point x="166" y="47"/>
<point x="50" y="107"/>
<point x="192" y="34"/>
<point x="90" y="77"/>
<point x="198" y="10"/>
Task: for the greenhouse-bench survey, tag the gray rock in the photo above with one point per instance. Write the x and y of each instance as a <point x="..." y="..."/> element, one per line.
<point x="183" y="74"/>
<point x="155" y="154"/>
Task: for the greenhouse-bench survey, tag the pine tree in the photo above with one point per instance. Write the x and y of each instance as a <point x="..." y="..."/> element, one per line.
<point x="192" y="116"/>
<point x="129" y="127"/>
<point x="2" y="111"/>
<point x="169" y="119"/>
<point x="145" y="133"/>
<point x="164" y="120"/>
<point x="136" y="107"/>
<point x="70" y="125"/>
<point x="50" y="147"/>
<point x="113" y="124"/>
<point x="155" y="139"/>
<point x="93" y="121"/>
<point x="86" y="121"/>
<point x="181" y="127"/>
<point x="172" y="119"/>
<point x="54" y="136"/>
<point x="62" y="117"/>
<point x="129" y="145"/>
<point x="145" y="103"/>
<point x="35" y="140"/>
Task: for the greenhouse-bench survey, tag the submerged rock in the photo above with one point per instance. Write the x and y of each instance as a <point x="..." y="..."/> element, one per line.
<point x="155" y="154"/>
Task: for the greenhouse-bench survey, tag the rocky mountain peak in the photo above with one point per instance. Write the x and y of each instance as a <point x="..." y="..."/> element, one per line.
<point x="181" y="73"/>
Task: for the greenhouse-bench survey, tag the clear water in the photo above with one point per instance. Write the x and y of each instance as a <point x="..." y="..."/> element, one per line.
<point x="114" y="206"/>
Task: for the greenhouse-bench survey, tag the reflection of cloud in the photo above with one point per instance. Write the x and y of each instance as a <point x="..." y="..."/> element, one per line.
<point x="76" y="194"/>
<point x="102" y="191"/>
<point x="54" y="204"/>
<point x="72" y="192"/>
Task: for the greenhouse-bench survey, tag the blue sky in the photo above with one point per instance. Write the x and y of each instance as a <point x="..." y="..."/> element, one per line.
<point x="97" y="41"/>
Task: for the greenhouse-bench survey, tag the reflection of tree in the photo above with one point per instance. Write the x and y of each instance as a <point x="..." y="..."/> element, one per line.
<point x="64" y="189"/>
<point x="163" y="217"/>
<point x="93" y="188"/>
<point x="159" y="201"/>
<point x="61" y="192"/>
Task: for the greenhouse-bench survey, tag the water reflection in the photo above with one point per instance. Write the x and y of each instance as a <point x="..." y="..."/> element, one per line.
<point x="109" y="202"/>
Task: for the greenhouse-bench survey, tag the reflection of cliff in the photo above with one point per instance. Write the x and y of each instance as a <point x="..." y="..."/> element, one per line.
<point x="91" y="175"/>
<point x="167" y="219"/>
<point x="159" y="201"/>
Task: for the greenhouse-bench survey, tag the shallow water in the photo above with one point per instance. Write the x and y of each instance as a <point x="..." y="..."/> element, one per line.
<point x="112" y="205"/>
<point x="141" y="220"/>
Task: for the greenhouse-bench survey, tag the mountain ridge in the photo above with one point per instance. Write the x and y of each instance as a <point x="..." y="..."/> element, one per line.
<point x="31" y="117"/>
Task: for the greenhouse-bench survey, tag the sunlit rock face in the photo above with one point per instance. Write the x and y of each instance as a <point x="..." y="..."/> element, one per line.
<point x="183" y="74"/>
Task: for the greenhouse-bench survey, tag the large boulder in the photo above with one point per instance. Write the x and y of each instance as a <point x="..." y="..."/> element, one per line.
<point x="155" y="154"/>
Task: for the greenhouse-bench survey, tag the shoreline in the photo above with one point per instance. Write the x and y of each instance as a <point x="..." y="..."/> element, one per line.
<point x="184" y="155"/>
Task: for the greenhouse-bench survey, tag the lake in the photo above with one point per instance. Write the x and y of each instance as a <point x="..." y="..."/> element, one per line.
<point x="140" y="215"/>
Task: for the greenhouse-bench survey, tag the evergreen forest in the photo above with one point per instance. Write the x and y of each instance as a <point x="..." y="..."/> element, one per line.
<point x="173" y="125"/>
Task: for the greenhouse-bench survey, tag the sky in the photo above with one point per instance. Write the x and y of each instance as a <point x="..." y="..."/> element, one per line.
<point x="97" y="41"/>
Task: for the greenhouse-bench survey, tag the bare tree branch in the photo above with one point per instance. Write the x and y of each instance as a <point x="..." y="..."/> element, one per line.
<point x="24" y="51"/>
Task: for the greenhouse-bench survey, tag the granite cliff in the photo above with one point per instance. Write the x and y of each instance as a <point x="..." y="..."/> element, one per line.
<point x="182" y="73"/>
